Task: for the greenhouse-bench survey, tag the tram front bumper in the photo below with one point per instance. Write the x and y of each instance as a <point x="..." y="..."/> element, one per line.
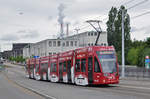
<point x="111" y="80"/>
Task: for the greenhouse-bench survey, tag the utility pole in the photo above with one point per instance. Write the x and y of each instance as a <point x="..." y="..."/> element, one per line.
<point x="99" y="30"/>
<point x="123" y="55"/>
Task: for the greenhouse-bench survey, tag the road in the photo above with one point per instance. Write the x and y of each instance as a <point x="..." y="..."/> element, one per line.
<point x="127" y="89"/>
<point x="10" y="90"/>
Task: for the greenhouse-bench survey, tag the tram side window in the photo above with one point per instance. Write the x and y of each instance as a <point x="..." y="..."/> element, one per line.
<point x="44" y="67"/>
<point x="36" y="67"/>
<point x="83" y="65"/>
<point x="64" y="67"/>
<point x="69" y="64"/>
<point x="77" y="65"/>
<point x="53" y="67"/>
<point x="60" y="66"/>
<point x="90" y="62"/>
<point x="31" y="66"/>
<point x="96" y="65"/>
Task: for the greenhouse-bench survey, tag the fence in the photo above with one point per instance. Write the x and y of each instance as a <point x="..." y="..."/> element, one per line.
<point x="136" y="72"/>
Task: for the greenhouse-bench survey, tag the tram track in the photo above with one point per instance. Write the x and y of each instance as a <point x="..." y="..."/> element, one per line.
<point x="125" y="90"/>
<point x="114" y="89"/>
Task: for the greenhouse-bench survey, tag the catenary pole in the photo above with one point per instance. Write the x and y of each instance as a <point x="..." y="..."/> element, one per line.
<point x="123" y="55"/>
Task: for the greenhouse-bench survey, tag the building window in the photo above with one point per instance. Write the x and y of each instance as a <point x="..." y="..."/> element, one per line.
<point x="101" y="44"/>
<point x="63" y="44"/>
<point x="54" y="53"/>
<point x="71" y="43"/>
<point x="58" y="43"/>
<point x="54" y="43"/>
<point x="50" y="43"/>
<point x="95" y="33"/>
<point x="91" y="33"/>
<point x="88" y="33"/>
<point x="104" y="44"/>
<point x="50" y="53"/>
<point x="67" y="43"/>
<point x="89" y="44"/>
<point x="75" y="43"/>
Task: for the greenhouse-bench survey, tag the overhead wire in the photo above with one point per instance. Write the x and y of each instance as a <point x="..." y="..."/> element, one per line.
<point x="148" y="12"/>
<point x="137" y="4"/>
<point x="84" y="27"/>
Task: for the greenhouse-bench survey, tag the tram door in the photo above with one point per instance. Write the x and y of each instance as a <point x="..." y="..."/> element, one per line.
<point x="69" y="71"/>
<point x="90" y="70"/>
<point x="60" y="72"/>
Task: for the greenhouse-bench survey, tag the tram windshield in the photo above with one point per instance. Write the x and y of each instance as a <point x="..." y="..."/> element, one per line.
<point x="107" y="61"/>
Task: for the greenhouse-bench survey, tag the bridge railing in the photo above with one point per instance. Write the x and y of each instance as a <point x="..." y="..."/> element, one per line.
<point x="136" y="72"/>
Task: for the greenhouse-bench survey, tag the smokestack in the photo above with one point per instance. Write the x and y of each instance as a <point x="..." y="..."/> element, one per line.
<point x="61" y="16"/>
<point x="61" y="29"/>
<point x="67" y="29"/>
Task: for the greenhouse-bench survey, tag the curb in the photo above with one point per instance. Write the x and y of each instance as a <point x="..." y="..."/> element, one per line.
<point x="32" y="90"/>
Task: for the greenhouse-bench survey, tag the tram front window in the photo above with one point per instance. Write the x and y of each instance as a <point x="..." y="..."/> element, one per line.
<point x="107" y="61"/>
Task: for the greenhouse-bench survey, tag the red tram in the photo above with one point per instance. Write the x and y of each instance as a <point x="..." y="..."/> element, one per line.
<point x="90" y="65"/>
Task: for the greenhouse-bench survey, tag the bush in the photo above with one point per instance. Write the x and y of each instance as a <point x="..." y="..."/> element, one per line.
<point x="17" y="59"/>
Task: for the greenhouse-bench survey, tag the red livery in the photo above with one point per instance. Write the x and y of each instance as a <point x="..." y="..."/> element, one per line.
<point x="90" y="65"/>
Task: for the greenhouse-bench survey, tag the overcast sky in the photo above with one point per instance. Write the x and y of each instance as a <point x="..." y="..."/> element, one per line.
<point x="31" y="21"/>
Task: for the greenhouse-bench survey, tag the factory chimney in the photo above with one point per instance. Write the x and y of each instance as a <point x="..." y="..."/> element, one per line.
<point x="67" y="29"/>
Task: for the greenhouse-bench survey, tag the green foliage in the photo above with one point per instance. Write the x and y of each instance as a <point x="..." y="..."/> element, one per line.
<point x="140" y="49"/>
<point x="17" y="59"/>
<point x="141" y="56"/>
<point x="110" y="25"/>
<point x="148" y="42"/>
<point x="119" y="56"/>
<point x="132" y="56"/>
<point x="114" y="28"/>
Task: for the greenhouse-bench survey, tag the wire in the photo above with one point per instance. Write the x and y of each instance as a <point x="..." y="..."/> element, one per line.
<point x="137" y="4"/>
<point x="128" y="2"/>
<point x="148" y="12"/>
<point x="84" y="27"/>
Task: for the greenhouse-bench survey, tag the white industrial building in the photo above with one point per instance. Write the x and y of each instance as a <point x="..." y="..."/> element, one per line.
<point x="53" y="46"/>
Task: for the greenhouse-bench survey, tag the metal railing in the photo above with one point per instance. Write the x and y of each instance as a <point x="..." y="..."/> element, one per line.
<point x="136" y="72"/>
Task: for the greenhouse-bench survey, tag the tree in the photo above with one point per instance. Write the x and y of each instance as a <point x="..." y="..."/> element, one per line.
<point x="148" y="42"/>
<point x="118" y="29"/>
<point x="110" y="25"/>
<point x="132" y="56"/>
<point x="114" y="30"/>
<point x="17" y="59"/>
<point x="141" y="55"/>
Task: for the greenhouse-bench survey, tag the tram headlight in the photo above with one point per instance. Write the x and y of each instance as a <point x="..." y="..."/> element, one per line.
<point x="104" y="81"/>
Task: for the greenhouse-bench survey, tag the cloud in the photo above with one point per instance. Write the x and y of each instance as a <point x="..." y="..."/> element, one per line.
<point x="28" y="34"/>
<point x="50" y="17"/>
<point x="145" y="29"/>
<point x="32" y="20"/>
<point x="9" y="37"/>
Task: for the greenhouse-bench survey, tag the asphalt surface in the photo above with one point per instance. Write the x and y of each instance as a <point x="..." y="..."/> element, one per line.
<point x="127" y="89"/>
<point x="10" y="90"/>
